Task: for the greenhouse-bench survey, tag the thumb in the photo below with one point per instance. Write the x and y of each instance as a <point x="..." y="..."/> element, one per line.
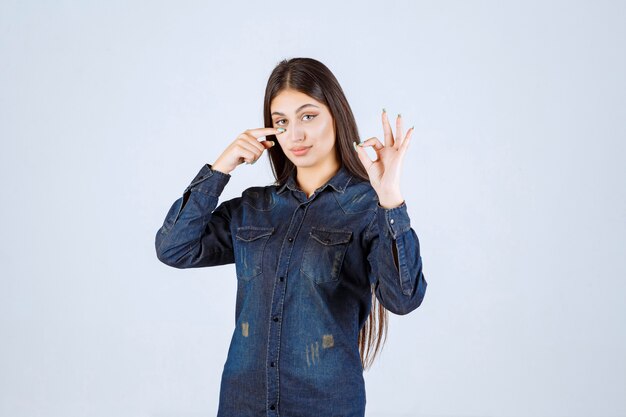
<point x="268" y="143"/>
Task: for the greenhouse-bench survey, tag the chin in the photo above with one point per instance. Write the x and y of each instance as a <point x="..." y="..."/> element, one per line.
<point x="301" y="164"/>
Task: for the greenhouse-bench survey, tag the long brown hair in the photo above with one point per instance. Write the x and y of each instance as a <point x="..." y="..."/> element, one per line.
<point x="314" y="79"/>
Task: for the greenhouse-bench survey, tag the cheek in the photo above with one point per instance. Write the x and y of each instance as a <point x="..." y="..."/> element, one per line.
<point x="324" y="126"/>
<point x="325" y="132"/>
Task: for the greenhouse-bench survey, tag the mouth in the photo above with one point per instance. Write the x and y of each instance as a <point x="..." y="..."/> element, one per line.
<point x="300" y="150"/>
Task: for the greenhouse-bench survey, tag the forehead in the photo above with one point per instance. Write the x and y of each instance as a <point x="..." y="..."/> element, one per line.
<point x="290" y="100"/>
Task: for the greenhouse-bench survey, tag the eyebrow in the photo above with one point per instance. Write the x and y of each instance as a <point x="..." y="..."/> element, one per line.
<point x="297" y="110"/>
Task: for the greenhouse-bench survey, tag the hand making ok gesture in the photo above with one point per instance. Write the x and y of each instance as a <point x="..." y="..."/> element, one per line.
<point x="384" y="173"/>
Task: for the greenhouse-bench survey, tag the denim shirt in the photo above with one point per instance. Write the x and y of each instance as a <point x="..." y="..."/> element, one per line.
<point x="304" y="269"/>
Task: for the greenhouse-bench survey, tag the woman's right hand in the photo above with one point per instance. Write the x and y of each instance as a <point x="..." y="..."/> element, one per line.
<point x="245" y="148"/>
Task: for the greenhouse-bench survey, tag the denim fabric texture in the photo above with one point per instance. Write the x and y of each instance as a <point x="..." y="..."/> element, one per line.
<point x="304" y="268"/>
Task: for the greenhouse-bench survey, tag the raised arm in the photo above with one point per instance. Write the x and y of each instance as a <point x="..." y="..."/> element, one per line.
<point x="195" y="233"/>
<point x="394" y="251"/>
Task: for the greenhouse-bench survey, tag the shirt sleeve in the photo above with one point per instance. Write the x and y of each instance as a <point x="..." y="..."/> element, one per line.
<point x="195" y="233"/>
<point x="400" y="284"/>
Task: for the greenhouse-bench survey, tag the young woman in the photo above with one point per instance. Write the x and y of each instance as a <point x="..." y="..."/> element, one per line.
<point x="313" y="252"/>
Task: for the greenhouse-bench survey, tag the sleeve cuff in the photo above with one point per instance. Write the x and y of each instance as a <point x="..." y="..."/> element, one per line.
<point x="209" y="181"/>
<point x="394" y="220"/>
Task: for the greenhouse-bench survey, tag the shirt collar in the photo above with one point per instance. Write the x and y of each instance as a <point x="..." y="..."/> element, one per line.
<point x="339" y="181"/>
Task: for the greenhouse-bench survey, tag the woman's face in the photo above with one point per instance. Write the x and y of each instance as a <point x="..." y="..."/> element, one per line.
<point x="309" y="125"/>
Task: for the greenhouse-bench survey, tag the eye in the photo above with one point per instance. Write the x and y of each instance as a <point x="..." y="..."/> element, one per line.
<point x="312" y="116"/>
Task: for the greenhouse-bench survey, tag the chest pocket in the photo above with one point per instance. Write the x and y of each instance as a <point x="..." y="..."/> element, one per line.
<point x="323" y="254"/>
<point x="249" y="245"/>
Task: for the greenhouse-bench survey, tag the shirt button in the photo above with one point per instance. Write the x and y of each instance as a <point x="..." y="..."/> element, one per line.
<point x="391" y="221"/>
<point x="272" y="407"/>
<point x="281" y="279"/>
<point x="275" y="318"/>
<point x="290" y="239"/>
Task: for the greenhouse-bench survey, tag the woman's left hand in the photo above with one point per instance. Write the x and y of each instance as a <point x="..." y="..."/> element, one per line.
<point x="384" y="173"/>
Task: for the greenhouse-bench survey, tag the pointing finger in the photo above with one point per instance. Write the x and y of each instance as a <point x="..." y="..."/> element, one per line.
<point x="372" y="142"/>
<point x="265" y="131"/>
<point x="363" y="157"/>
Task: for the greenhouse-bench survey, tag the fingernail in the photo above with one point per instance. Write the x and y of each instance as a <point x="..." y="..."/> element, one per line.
<point x="281" y="129"/>
<point x="399" y="115"/>
<point x="253" y="162"/>
<point x="412" y="126"/>
<point x="360" y="144"/>
<point x="354" y="144"/>
<point x="384" y="110"/>
<point x="273" y="143"/>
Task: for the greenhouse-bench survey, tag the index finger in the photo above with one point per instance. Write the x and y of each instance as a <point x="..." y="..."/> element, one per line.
<point x="263" y="131"/>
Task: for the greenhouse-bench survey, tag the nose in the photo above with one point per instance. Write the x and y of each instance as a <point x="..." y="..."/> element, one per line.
<point x="294" y="133"/>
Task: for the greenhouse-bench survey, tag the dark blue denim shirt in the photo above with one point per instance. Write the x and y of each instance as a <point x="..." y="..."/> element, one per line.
<point x="304" y="267"/>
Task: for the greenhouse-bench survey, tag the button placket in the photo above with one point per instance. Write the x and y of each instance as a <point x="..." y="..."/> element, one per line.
<point x="278" y="296"/>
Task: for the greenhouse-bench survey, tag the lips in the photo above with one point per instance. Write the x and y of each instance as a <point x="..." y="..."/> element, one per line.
<point x="300" y="150"/>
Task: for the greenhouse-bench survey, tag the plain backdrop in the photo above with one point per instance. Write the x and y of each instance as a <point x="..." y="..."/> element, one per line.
<point x="514" y="182"/>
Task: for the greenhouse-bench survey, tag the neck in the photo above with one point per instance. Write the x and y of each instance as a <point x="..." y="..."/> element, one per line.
<point x="311" y="178"/>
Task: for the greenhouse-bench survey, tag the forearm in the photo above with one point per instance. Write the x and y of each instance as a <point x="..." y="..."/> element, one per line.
<point x="192" y="235"/>
<point x="401" y="283"/>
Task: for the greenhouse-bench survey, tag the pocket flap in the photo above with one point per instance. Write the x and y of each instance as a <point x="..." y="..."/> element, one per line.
<point x="330" y="237"/>
<point x="249" y="233"/>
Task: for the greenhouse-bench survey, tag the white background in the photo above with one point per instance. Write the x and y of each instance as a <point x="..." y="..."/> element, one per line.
<point x="514" y="182"/>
